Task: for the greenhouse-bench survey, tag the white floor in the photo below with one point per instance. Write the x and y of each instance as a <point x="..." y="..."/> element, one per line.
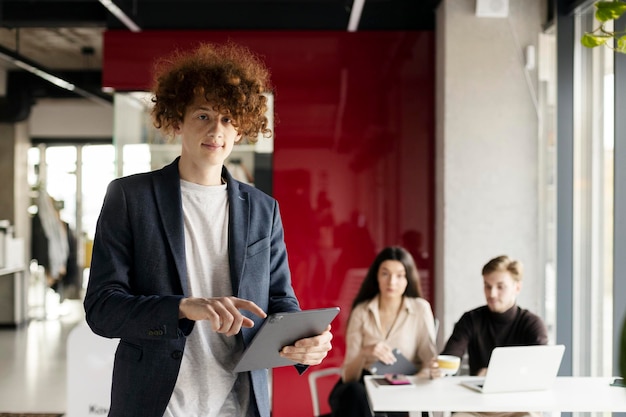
<point x="33" y="361"/>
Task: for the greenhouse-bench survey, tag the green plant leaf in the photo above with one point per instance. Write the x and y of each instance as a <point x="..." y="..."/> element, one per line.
<point x="621" y="45"/>
<point x="590" y="40"/>
<point x="609" y="10"/>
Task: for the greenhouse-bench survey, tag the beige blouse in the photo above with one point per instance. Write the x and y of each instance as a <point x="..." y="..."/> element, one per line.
<point x="413" y="331"/>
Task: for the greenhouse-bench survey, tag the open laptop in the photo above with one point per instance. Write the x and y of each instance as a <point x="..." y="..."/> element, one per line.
<point x="520" y="368"/>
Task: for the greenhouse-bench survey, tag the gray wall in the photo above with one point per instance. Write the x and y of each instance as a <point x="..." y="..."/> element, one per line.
<point x="487" y="153"/>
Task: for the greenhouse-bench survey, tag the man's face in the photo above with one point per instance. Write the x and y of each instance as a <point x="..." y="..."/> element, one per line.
<point x="208" y="137"/>
<point x="500" y="290"/>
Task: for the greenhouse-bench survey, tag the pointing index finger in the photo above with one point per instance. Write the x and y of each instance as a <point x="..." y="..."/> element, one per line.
<point x="250" y="306"/>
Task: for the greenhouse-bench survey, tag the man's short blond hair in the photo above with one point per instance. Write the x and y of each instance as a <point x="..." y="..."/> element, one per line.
<point x="504" y="263"/>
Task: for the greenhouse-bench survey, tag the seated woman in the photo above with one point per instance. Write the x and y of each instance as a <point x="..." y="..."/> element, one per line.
<point x="388" y="313"/>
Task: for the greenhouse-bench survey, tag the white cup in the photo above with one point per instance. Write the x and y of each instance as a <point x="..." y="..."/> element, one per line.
<point x="448" y="364"/>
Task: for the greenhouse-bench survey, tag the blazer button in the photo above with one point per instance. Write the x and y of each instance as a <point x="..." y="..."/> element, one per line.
<point x="177" y="354"/>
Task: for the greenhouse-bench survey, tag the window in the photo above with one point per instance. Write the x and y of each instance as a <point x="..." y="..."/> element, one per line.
<point x="592" y="204"/>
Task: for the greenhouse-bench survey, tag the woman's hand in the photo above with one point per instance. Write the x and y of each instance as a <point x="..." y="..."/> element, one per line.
<point x="433" y="369"/>
<point x="380" y="351"/>
<point x="430" y="370"/>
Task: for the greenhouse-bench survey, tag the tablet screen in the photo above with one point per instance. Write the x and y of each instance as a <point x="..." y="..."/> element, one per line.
<point x="283" y="329"/>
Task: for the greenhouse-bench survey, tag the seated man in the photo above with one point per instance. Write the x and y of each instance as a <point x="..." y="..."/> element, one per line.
<point x="499" y="323"/>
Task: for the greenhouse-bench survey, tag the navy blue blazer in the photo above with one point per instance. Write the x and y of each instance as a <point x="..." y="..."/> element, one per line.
<point x="138" y="277"/>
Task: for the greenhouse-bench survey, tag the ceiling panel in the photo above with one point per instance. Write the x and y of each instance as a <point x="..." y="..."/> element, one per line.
<point x="67" y="35"/>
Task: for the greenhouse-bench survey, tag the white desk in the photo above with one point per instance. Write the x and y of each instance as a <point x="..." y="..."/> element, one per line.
<point x="569" y="394"/>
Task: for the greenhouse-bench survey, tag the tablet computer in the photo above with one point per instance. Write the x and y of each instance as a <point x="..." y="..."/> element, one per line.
<point x="401" y="366"/>
<point x="279" y="330"/>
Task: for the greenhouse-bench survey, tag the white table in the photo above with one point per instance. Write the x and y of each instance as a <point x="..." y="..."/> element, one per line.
<point x="569" y="394"/>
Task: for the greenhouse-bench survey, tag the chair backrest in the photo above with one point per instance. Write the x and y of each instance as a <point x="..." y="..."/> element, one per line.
<point x="313" y="386"/>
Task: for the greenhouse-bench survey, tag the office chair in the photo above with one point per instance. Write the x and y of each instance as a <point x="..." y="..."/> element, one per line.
<point x="313" y="387"/>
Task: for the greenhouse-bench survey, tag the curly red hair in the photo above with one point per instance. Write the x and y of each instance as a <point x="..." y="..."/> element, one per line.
<point x="229" y="76"/>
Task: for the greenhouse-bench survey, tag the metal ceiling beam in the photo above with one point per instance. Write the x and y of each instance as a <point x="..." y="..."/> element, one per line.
<point x="32" y="67"/>
<point x="355" y="15"/>
<point x="120" y="15"/>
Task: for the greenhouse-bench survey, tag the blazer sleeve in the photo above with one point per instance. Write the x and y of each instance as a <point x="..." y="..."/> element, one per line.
<point x="130" y="271"/>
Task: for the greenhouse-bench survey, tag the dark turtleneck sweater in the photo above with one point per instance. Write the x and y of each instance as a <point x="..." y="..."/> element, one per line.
<point x="480" y="330"/>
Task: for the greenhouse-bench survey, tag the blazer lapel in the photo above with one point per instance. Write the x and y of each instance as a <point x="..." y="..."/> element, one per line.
<point x="239" y="224"/>
<point x="169" y="203"/>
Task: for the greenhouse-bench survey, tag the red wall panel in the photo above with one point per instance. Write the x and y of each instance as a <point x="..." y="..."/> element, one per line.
<point x="353" y="159"/>
<point x="353" y="172"/>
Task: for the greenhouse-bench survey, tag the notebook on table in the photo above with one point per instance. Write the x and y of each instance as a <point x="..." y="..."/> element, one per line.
<point x="520" y="368"/>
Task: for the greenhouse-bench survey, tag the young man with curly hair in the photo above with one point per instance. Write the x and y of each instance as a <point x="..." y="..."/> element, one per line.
<point x="188" y="261"/>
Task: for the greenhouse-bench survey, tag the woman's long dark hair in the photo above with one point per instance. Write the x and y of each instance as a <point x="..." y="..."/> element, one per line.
<point x="369" y="288"/>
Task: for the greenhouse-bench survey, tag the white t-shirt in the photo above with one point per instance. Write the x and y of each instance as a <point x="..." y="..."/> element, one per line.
<point x="206" y="385"/>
